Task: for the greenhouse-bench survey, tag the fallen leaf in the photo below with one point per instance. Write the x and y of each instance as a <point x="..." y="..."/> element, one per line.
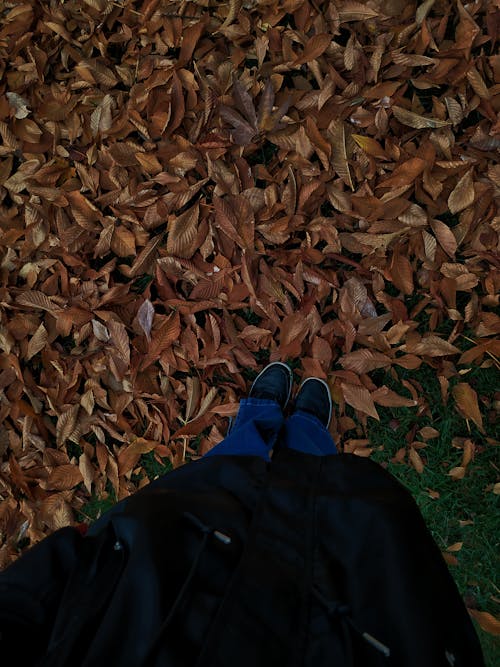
<point x="467" y="403"/>
<point x="462" y="194"/>
<point x="145" y="316"/>
<point x="486" y="621"/>
<point x="415" y="120"/>
<point x="359" y="398"/>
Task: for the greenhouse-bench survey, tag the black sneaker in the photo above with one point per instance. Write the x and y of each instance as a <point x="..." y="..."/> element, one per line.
<point x="314" y="397"/>
<point x="273" y="383"/>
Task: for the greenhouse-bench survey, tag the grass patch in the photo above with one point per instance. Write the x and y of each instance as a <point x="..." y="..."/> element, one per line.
<point x="94" y="508"/>
<point x="466" y="510"/>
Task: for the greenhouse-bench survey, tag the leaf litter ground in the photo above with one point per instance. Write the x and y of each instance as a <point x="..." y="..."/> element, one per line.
<point x="191" y="189"/>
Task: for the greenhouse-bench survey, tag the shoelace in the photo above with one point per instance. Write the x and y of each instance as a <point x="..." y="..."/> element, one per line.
<point x="336" y="609"/>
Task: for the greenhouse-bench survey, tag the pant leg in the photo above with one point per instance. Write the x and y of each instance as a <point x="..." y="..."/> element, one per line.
<point x="305" y="433"/>
<point x="255" y="430"/>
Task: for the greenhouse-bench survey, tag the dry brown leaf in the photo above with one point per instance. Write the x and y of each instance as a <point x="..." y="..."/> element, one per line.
<point x="66" y="424"/>
<point x="314" y="47"/>
<point x="86" y="470"/>
<point x="370" y="146"/>
<point x="359" y="398"/>
<point x="445" y="237"/>
<point x="462" y="194"/>
<point x="486" y="621"/>
<point x="432" y="346"/>
<point x="388" y="398"/>
<point x="467" y="403"/>
<point x="415" y="120"/>
<point x="36" y="299"/>
<point x="355" y="11"/>
<point x="182" y="233"/>
<point x="64" y="477"/>
<point x="37" y="342"/>
<point x="364" y="361"/>
<point x="119" y="337"/>
<point x="416" y="460"/>
<point x="339" y="157"/>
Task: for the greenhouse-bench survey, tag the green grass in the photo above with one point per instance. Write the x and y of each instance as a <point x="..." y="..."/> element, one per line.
<point x="469" y="499"/>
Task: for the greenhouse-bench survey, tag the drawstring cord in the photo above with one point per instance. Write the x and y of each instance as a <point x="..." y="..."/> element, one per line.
<point x="335" y="609"/>
<point x="207" y="532"/>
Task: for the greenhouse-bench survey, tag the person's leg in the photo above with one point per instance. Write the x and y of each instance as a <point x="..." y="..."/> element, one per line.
<point x="305" y="433"/>
<point x="307" y="429"/>
<point x="255" y="430"/>
<point x="260" y="416"/>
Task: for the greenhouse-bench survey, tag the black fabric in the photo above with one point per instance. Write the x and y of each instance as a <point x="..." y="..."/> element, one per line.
<point x="302" y="561"/>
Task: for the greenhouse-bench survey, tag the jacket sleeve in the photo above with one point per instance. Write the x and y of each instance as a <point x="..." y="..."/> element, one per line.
<point x="30" y="591"/>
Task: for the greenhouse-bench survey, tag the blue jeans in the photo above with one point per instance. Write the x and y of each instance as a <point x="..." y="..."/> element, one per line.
<point x="260" y="422"/>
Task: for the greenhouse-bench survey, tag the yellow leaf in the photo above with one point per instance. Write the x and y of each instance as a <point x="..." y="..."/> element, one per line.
<point x="369" y="145"/>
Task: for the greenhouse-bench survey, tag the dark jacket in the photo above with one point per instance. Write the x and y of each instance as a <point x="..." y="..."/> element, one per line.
<point x="304" y="561"/>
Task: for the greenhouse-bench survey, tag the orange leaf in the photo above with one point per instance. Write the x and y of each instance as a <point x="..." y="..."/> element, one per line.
<point x="486" y="621"/>
<point x="369" y="145"/>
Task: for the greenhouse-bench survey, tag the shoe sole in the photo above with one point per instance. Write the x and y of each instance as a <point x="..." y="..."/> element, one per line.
<point x="330" y="402"/>
<point x="290" y="376"/>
